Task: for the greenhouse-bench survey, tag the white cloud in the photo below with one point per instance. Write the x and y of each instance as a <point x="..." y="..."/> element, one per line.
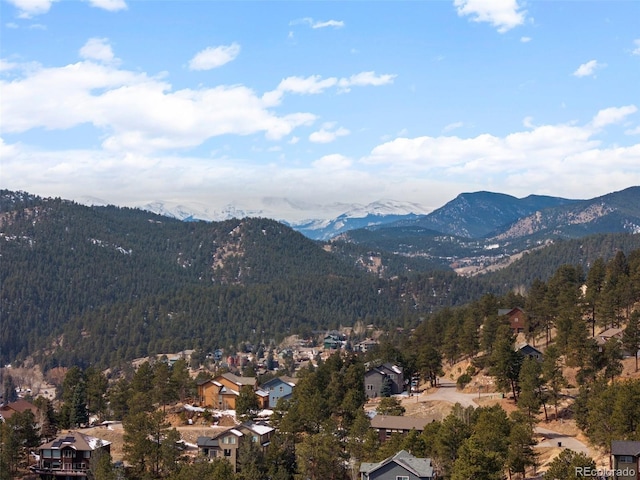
<point x="97" y="49"/>
<point x="6" y="65"/>
<point x="548" y="159"/>
<point x="334" y="161"/>
<point x="636" y="50"/>
<point x="312" y="85"/>
<point x="612" y="115"/>
<point x="502" y="14"/>
<point x="365" y="79"/>
<point x="588" y="69"/>
<point x="109" y="5"/>
<point x="30" y="8"/>
<point x="315" y="84"/>
<point x="135" y="111"/>
<point x="315" y="24"/>
<point x="541" y="146"/>
<point x="328" y="133"/>
<point x="525" y="39"/>
<point x="214" y="57"/>
<point x="633" y="131"/>
<point x="329" y="23"/>
<point x="452" y="126"/>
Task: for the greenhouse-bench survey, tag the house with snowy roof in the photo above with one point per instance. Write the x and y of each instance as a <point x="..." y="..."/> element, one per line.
<point x="227" y="443"/>
<point x="68" y="456"/>
<point x="402" y="466"/>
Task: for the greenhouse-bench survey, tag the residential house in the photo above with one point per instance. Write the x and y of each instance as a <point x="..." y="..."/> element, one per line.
<point x="386" y="379"/>
<point x="516" y="317"/>
<point x="608" y="334"/>
<point x="386" y="425"/>
<point x="332" y="342"/>
<point x="19" y="406"/>
<point x="402" y="466"/>
<point x="223" y="445"/>
<point x="625" y="460"/>
<point x="260" y="433"/>
<point x="527" y="350"/>
<point x="68" y="456"/>
<point x="279" y="387"/>
<point x="222" y="391"/>
<point x="365" y="346"/>
<point x="227" y="443"/>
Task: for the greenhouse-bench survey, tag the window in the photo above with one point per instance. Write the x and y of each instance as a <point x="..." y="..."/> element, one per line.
<point x="402" y="477"/>
<point x="67" y="453"/>
<point x="369" y="386"/>
<point x="227" y="452"/>
<point x="625" y="459"/>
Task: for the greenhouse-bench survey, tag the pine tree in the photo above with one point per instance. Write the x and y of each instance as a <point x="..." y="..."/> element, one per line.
<point x="506" y="362"/>
<point x="530" y="382"/>
<point x="631" y="336"/>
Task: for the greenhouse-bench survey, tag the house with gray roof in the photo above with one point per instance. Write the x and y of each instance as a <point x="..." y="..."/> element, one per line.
<point x="384" y="379"/>
<point x="279" y="387"/>
<point x="387" y="425"/>
<point x="402" y="466"/>
<point x="625" y="459"/>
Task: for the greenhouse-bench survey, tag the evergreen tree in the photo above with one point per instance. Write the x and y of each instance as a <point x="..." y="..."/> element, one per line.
<point x="476" y="462"/>
<point x="595" y="284"/>
<point x="563" y="467"/>
<point x="631" y="336"/>
<point x="530" y="381"/>
<point x="612" y="356"/>
<point x="521" y="453"/>
<point x="390" y="406"/>
<point x="506" y="362"/>
<point x="78" y="413"/>
<point x="247" y="403"/>
<point x="552" y="375"/>
<point x="100" y="466"/>
<point x="319" y="457"/>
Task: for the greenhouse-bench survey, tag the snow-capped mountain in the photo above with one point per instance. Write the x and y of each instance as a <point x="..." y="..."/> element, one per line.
<point x="360" y="216"/>
<point x="354" y="216"/>
<point x="195" y="212"/>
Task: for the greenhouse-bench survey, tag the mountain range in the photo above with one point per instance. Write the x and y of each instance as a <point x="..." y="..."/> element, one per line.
<point x="120" y="283"/>
<point x="475" y="215"/>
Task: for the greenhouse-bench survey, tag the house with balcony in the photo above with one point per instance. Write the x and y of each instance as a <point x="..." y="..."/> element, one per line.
<point x="68" y="456"/>
<point x="227" y="443"/>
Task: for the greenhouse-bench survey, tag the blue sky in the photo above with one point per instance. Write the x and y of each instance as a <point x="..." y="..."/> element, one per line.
<point x="295" y="109"/>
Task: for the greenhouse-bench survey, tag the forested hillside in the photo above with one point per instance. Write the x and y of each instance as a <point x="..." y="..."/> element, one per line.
<point x="120" y="283"/>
